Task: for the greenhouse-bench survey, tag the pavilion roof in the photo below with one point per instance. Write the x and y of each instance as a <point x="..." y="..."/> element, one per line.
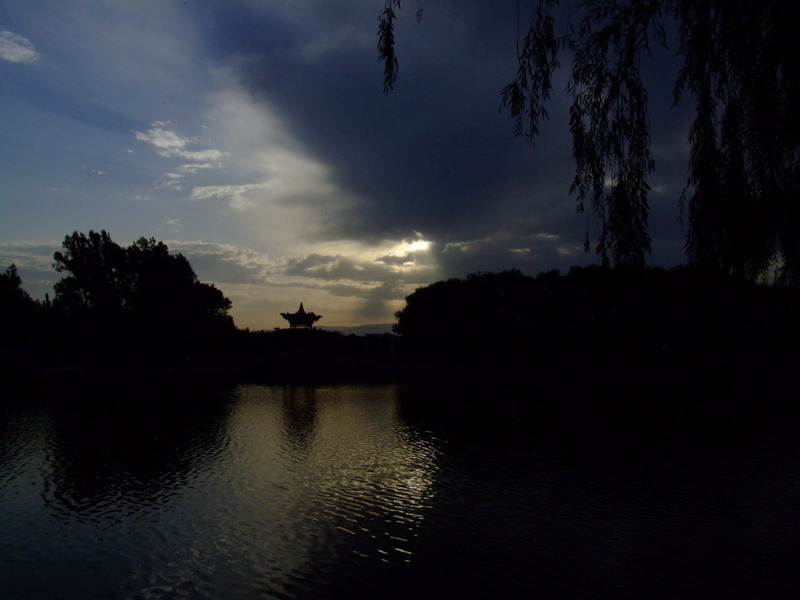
<point x="301" y="316"/>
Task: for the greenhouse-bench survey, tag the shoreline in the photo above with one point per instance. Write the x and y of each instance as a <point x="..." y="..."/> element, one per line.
<point x="300" y="368"/>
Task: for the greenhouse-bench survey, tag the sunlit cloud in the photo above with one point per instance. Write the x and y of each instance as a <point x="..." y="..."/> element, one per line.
<point x="171" y="145"/>
<point x="200" y="155"/>
<point x="240" y="197"/>
<point x="196" y="167"/>
<point x="263" y="155"/>
<point x="337" y="268"/>
<point x="416" y="245"/>
<point x="17" y="49"/>
<point x="413" y="253"/>
<point x="348" y="291"/>
<point x="225" y="262"/>
<point x="352" y="287"/>
<point x="173" y="181"/>
<point x="162" y="139"/>
<point x="260" y="287"/>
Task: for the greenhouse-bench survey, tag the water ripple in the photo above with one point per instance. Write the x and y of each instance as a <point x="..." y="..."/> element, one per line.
<point x="295" y="492"/>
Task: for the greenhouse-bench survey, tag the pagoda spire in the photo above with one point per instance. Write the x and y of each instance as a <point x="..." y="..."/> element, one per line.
<point x="301" y="319"/>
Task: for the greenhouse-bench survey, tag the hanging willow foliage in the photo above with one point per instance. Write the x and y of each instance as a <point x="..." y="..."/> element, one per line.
<point x="740" y="68"/>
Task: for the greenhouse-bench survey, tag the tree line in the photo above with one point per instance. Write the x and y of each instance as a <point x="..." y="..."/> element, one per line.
<point x="137" y="302"/>
<point x="602" y="318"/>
<point x="141" y="303"/>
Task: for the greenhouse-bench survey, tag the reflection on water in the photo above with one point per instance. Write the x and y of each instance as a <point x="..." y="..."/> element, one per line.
<point x="299" y="418"/>
<point x="332" y="476"/>
<point x="372" y="491"/>
<point x="121" y="450"/>
<point x="228" y="492"/>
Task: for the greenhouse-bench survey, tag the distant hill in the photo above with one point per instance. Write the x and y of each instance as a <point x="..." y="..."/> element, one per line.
<point x="362" y="329"/>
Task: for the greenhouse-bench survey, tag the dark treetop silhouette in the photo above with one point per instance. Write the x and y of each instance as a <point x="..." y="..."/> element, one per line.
<point x="301" y="319"/>
<point x="688" y="320"/>
<point x="739" y="64"/>
<point x="17" y="308"/>
<point x="140" y="299"/>
<point x="13" y="299"/>
<point x="605" y="318"/>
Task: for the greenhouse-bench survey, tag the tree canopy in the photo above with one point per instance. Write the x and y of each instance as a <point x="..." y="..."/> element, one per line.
<point x="16" y="306"/>
<point x="601" y="316"/>
<point x="12" y="296"/>
<point x="136" y="295"/>
<point x="739" y="66"/>
<point x="143" y="278"/>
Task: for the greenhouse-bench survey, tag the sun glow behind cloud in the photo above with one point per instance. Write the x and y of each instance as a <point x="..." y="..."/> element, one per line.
<point x="281" y="200"/>
<point x="368" y="282"/>
<point x="415" y="245"/>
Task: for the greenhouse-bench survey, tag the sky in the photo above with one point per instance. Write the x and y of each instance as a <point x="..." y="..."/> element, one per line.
<point x="254" y="137"/>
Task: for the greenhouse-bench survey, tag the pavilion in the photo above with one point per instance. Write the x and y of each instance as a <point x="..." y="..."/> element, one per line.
<point x="301" y="319"/>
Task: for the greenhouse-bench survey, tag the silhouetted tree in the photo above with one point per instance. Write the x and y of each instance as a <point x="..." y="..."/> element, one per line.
<point x="13" y="299"/>
<point x="602" y="317"/>
<point x="160" y="283"/>
<point x="17" y="308"/>
<point x="97" y="279"/>
<point x="484" y="317"/>
<point x="740" y="66"/>
<point x="137" y="295"/>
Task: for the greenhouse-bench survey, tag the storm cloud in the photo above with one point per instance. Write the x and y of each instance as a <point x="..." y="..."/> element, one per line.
<point x="256" y="139"/>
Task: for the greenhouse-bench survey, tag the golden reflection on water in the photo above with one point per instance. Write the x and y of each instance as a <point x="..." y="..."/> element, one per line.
<point x="342" y="472"/>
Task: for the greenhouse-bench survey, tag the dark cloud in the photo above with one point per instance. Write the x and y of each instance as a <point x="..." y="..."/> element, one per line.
<point x="377" y="301"/>
<point x="432" y="156"/>
<point x="504" y="251"/>
<point x="384" y="291"/>
<point x="435" y="155"/>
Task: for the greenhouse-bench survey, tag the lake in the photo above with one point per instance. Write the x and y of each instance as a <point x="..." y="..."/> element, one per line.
<point x="170" y="490"/>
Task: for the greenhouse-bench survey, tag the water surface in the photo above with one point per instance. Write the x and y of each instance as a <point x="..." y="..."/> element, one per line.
<point x="251" y="491"/>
